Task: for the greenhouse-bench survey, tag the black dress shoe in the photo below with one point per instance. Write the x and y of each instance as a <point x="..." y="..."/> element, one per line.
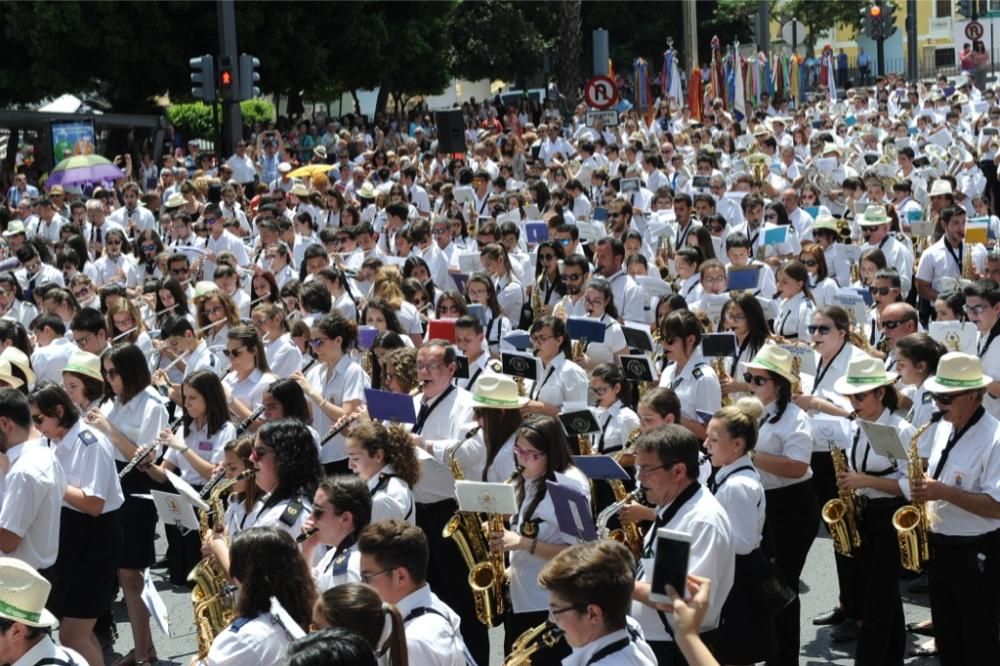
<point x="918" y="585"/>
<point x="835" y="616"/>
<point x="920" y="629"/>
<point x="921" y="651"/>
<point x="845" y="632"/>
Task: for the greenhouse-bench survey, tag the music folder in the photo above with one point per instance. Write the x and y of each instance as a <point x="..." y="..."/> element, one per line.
<point x="579" y="422"/>
<point x="600" y="468"/>
<point x="637" y="367"/>
<point x="519" y="364"/>
<point x="389" y="406"/>
<point x="572" y="512"/>
<point x="582" y="328"/>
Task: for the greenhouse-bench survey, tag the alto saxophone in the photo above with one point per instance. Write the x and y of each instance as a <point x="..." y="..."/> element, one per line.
<point x="841" y="513"/>
<point x="536" y="299"/>
<point x="720" y="369"/>
<point x="910" y="521"/>
<point x="967" y="272"/>
<point x="545" y="635"/>
<point x="487" y="571"/>
<point x="628" y="534"/>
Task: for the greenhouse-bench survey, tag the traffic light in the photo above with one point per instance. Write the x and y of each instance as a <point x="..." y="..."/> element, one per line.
<point x="874" y="22"/>
<point x="971" y="9"/>
<point x="203" y="78"/>
<point x="249" y="76"/>
<point x="226" y="77"/>
<point x="888" y="19"/>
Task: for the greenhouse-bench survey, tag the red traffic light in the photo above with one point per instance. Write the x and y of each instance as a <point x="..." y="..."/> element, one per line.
<point x="875" y="11"/>
<point x="226" y="78"/>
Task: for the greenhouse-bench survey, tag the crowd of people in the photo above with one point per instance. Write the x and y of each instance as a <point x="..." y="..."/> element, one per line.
<point x="745" y="310"/>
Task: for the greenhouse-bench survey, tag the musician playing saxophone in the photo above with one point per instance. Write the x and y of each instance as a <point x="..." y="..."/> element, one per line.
<point x="590" y="589"/>
<point x="534" y="535"/>
<point x="962" y="492"/>
<point x="874" y="481"/>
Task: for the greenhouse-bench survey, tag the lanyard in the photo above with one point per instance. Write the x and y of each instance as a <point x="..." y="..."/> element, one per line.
<point x="821" y="371"/>
<point x="958" y="259"/>
<point x="953" y="440"/>
<point x="535" y="392"/>
<point x="425" y="410"/>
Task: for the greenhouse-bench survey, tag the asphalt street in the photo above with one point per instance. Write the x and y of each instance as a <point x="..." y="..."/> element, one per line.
<point x="819" y="593"/>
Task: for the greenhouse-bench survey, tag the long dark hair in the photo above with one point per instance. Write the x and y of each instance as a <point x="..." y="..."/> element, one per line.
<point x="267" y="563"/>
<point x="498" y="426"/>
<point x="293" y="401"/>
<point x="296" y="459"/>
<point x="209" y="386"/>
<point x="757" y="327"/>
<point x="546" y="434"/>
<point x="357" y="607"/>
<point x="394" y="443"/>
<point x="130" y="363"/>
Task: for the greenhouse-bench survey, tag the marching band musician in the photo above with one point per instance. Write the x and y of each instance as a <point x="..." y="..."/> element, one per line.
<point x="90" y="535"/>
<point x="215" y="313"/>
<point x="874" y="481"/>
<point x="181" y="339"/>
<point x="358" y="607"/>
<point x="617" y="421"/>
<point x="443" y="414"/>
<point x="744" y="316"/>
<point x="601" y="307"/>
<point x="497" y="410"/>
<point x="255" y="635"/>
<point x="747" y="632"/>
<point x="590" y="590"/>
<point x="194" y="456"/>
<point x="534" y="536"/>
<point x="917" y="357"/>
<point x="574" y="275"/>
<point x="335" y="385"/>
<point x="283" y="357"/>
<point x="688" y="375"/>
<point x="469" y="338"/>
<point x="284" y="399"/>
<point x="946" y="257"/>
<point x="982" y="299"/>
<point x="510" y="294"/>
<point x="962" y="489"/>
<point x="784" y="449"/>
<point x="249" y="375"/>
<point x="386" y="461"/>
<point x="550" y="288"/>
<point x="562" y="381"/>
<point x="236" y="460"/>
<point x="667" y="469"/>
<point x="480" y="289"/>
<point x="342" y="507"/>
<point x="796" y="302"/>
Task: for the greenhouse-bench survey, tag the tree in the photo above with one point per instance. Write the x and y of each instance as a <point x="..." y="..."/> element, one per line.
<point x="568" y="56"/>
<point x="819" y="17"/>
<point x="496" y="39"/>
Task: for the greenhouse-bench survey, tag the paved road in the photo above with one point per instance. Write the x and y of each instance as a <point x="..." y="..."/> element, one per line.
<point x="819" y="594"/>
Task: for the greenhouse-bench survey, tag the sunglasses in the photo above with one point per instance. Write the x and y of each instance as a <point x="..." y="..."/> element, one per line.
<point x="233" y="353"/>
<point x="809" y="262"/>
<point x="756" y="380"/>
<point x="148" y="248"/>
<point x="881" y="291"/>
<point x="891" y="325"/>
<point x="822" y="329"/>
<point x="940" y="398"/>
<point x="38" y="418"/>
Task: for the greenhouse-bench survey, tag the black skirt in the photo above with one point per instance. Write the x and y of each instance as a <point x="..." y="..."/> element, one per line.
<point x="86" y="571"/>
<point x="746" y="633"/>
<point x="138" y="520"/>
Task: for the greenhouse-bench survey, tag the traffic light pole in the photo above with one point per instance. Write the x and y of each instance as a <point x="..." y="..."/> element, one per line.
<point x="232" y="119"/>
<point x="880" y="55"/>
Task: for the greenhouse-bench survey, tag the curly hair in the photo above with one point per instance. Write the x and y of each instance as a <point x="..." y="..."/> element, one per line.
<point x="403" y="364"/>
<point x="394" y="443"/>
<point x="296" y="459"/>
<point x="225" y="300"/>
<point x="267" y="563"/>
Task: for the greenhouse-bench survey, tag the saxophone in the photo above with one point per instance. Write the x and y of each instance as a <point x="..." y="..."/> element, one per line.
<point x="720" y="369"/>
<point x="211" y="596"/>
<point x="545" y="635"/>
<point x="841" y="513"/>
<point x="910" y="521"/>
<point x="536" y="299"/>
<point x="487" y="571"/>
<point x="629" y="533"/>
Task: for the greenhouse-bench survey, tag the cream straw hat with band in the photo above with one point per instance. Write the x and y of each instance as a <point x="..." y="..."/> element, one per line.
<point x="86" y="364"/>
<point x="497" y="392"/>
<point x="957" y="372"/>
<point x="774" y="359"/>
<point x="863" y="374"/>
<point x="23" y="592"/>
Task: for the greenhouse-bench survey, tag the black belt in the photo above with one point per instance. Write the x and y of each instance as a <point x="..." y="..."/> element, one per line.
<point x="975" y="540"/>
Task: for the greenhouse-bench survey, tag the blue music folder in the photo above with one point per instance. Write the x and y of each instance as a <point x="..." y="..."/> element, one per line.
<point x="743" y="279"/>
<point x="366" y="336"/>
<point x="461" y="279"/>
<point x="536" y="232"/>
<point x="478" y="310"/>
<point x="775" y="235"/>
<point x="572" y="512"/>
<point x="389" y="406"/>
<point x="581" y="328"/>
<point x="519" y="340"/>
<point x="600" y="468"/>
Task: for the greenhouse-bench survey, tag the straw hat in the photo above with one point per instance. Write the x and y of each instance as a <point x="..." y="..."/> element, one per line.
<point x="367" y="190"/>
<point x="7" y="376"/>
<point x="497" y="392"/>
<point x="299" y="190"/>
<point x="863" y="374"/>
<point x="285" y="167"/>
<point x="23" y="592"/>
<point x="84" y="363"/>
<point x="175" y="200"/>
<point x="873" y="216"/>
<point x="774" y="359"/>
<point x="825" y="221"/>
<point x="957" y="372"/>
<point x="941" y="187"/>
<point x="204" y="288"/>
<point x="15" y="227"/>
<point x="18" y="358"/>
<point x="831" y="149"/>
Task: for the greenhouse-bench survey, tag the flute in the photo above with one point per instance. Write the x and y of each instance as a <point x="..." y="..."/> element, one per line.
<point x="258" y="299"/>
<point x="122" y="335"/>
<point x="175" y="362"/>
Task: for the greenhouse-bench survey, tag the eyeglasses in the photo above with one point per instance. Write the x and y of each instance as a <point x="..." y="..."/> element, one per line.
<point x="822" y="329"/>
<point x="148" y="248"/>
<point x="571" y="277"/>
<point x="525" y="453"/>
<point x="546" y="257"/>
<point x="539" y="339"/>
<point x="976" y="309"/>
<point x="317" y="512"/>
<point x="596" y="302"/>
<point x="613" y="216"/>
<point x="216" y="309"/>
<point x="79" y="294"/>
<point x="644" y="470"/>
<point x="600" y="390"/>
<point x="317" y="342"/>
<point x="565" y="241"/>
<point x="233" y="353"/>
<point x="367" y="577"/>
<point x="430" y="367"/>
<point x="721" y="279"/>
<point x="210" y="221"/>
<point x="756" y="380"/>
<point x="110" y="373"/>
<point x="881" y="291"/>
<point x="556" y="612"/>
<point x="891" y="324"/>
<point x="809" y="262"/>
<point x="38" y="418"/>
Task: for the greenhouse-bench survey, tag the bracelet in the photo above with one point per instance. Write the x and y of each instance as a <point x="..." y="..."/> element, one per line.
<point x="185" y="450"/>
<point x="534" y="543"/>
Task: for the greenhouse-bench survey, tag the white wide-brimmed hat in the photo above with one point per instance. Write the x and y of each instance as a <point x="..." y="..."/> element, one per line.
<point x="23" y="593"/>
<point x="497" y="392"/>
<point x="864" y="374"/>
<point x="84" y="363"/>
<point x="774" y="359"/>
<point x="873" y="216"/>
<point x="957" y="372"/>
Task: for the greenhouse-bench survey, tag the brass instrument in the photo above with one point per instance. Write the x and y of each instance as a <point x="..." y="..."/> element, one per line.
<point x="720" y="369"/>
<point x="857" y="334"/>
<point x="212" y="601"/>
<point x="841" y="514"/>
<point x="545" y="635"/>
<point x="367" y="361"/>
<point x="628" y="534"/>
<point x="911" y="521"/>
<point x="536" y="299"/>
<point x="487" y="571"/>
<point x="967" y="271"/>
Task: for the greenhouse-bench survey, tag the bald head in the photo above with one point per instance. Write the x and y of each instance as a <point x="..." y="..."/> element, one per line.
<point x="898" y="321"/>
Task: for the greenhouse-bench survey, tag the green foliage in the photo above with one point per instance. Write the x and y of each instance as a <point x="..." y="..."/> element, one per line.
<point x="821" y="16"/>
<point x="510" y="48"/>
<point x="195" y="119"/>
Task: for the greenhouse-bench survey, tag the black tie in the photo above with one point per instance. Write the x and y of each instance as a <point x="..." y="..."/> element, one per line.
<point x="712" y="485"/>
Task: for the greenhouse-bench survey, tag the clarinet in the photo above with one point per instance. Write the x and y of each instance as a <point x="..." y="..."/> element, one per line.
<point x="306" y="533"/>
<point x="339" y="428"/>
<point x="245" y="423"/>
<point x="142" y="452"/>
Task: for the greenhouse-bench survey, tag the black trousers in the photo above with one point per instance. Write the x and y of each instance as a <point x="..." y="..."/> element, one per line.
<point x="825" y="485"/>
<point x="447" y="574"/>
<point x="882" y="641"/>
<point x="962" y="576"/>
<point x="515" y="624"/>
<point x="789" y="530"/>
<point x="992" y="192"/>
<point x="668" y="654"/>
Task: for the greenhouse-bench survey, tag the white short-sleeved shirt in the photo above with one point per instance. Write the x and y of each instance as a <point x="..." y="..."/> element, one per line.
<point x="236" y="518"/>
<point x="288" y="515"/>
<point x="696" y="386"/>
<point x="614" y="341"/>
<point x="939" y="262"/>
<point x="562" y="381"/>
<point x="794" y="316"/>
<point x="510" y="296"/>
<point x="338" y="566"/>
<point x="432" y="638"/>
<point x="525" y="593"/>
<point x="33" y="492"/>
<point x="261" y="640"/>
<point x="140" y="420"/>
<point x="409" y="318"/>
<point x="445" y="427"/>
<point x="988" y="350"/>
<point x="87" y="458"/>
<point x="202" y="358"/>
<point x="208" y="447"/>
<point x="48" y="361"/>
<point x="630" y="649"/>
<point x="283" y="357"/>
<point x="47" y="649"/>
<point x="862" y="458"/>
<point x="741" y="494"/>
<point x="790" y="437"/>
<point x="503" y="464"/>
<point x="345" y="382"/>
<point x="249" y="391"/>
<point x="494" y="333"/>
<point x="391" y="497"/>
<point x="617" y="422"/>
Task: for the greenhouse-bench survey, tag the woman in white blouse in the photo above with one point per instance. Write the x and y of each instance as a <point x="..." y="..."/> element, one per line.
<point x="387" y="286"/>
<point x="747" y="628"/>
<point x="510" y="293"/>
<point x="782" y="455"/>
<point x="795" y="302"/>
<point x="534" y="536"/>
<point x="244" y="495"/>
<point x="822" y="286"/>
<point x="744" y="316"/>
<point x="216" y="313"/>
<point x="917" y="357"/>
<point x="480" y="289"/>
<point x="126" y="325"/>
<point x="342" y="507"/>
<point x="874" y="481"/>
<point x="385" y="459"/>
<point x="562" y="381"/>
<point x="599" y="300"/>
<point x="688" y="374"/>
<point x="283" y="356"/>
<point x="249" y="375"/>
<point x="497" y="408"/>
<point x="134" y="419"/>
